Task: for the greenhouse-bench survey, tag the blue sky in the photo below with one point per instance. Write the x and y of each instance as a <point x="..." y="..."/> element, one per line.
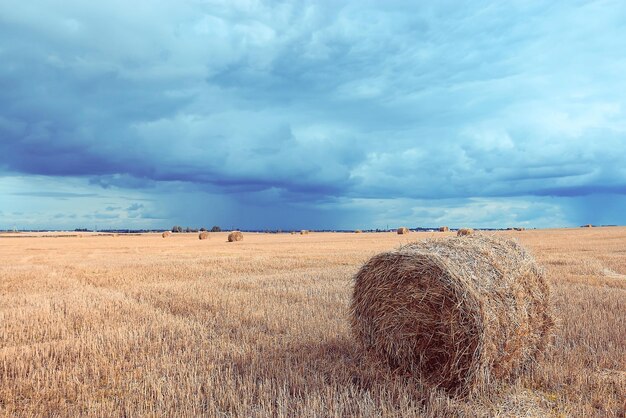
<point x="317" y="114"/>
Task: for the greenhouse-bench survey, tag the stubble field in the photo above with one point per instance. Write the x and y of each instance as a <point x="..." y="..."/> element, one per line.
<point x="142" y="325"/>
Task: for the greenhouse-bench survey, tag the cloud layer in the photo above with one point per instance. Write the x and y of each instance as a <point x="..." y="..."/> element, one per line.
<point x="317" y="110"/>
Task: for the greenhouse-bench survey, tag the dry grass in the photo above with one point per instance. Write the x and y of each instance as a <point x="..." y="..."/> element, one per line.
<point x="138" y="325"/>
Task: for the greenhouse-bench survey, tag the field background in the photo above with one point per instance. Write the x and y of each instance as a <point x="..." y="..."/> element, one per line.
<point x="141" y="325"/>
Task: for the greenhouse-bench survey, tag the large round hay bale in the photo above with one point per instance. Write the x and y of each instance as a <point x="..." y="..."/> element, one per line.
<point x="458" y="314"/>
<point x="443" y="229"/>
<point x="235" y="236"/>
<point x="358" y="231"/>
<point x="166" y="234"/>
<point x="304" y="232"/>
<point x="403" y="230"/>
<point x="203" y="235"/>
<point x="464" y="232"/>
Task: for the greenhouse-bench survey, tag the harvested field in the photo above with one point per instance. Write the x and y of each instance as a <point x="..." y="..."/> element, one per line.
<point x="139" y="325"/>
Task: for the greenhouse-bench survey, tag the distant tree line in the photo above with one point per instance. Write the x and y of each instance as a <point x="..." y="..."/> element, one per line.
<point x="178" y="228"/>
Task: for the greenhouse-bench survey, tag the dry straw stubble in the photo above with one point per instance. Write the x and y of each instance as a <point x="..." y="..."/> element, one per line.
<point x="235" y="236"/>
<point x="459" y="313"/>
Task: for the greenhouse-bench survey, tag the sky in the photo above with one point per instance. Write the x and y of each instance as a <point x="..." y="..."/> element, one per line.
<point x="316" y="115"/>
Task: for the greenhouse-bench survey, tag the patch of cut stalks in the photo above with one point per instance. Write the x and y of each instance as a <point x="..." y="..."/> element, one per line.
<point x="235" y="236"/>
<point x="403" y="230"/>
<point x="444" y="229"/>
<point x="203" y="235"/>
<point x="166" y="234"/>
<point x="464" y="232"/>
<point x="460" y="314"/>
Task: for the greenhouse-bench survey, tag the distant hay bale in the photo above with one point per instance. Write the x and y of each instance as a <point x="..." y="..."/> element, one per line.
<point x="403" y="230"/>
<point x="464" y="231"/>
<point x="293" y="232"/>
<point x="304" y="232"/>
<point x="520" y="229"/>
<point x="443" y="229"/>
<point x="203" y="235"/>
<point x="588" y="226"/>
<point x="166" y="234"/>
<point x="358" y="231"/>
<point x="458" y="314"/>
<point x="235" y="236"/>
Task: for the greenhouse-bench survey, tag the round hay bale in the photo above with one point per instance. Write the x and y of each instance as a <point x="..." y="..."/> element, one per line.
<point x="203" y="235"/>
<point x="166" y="234"/>
<point x="304" y="232"/>
<point x="235" y="236"/>
<point x="358" y="231"/>
<point x="588" y="226"/>
<point x="464" y="232"/>
<point x="444" y="229"/>
<point x="458" y="314"/>
<point x="403" y="230"/>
